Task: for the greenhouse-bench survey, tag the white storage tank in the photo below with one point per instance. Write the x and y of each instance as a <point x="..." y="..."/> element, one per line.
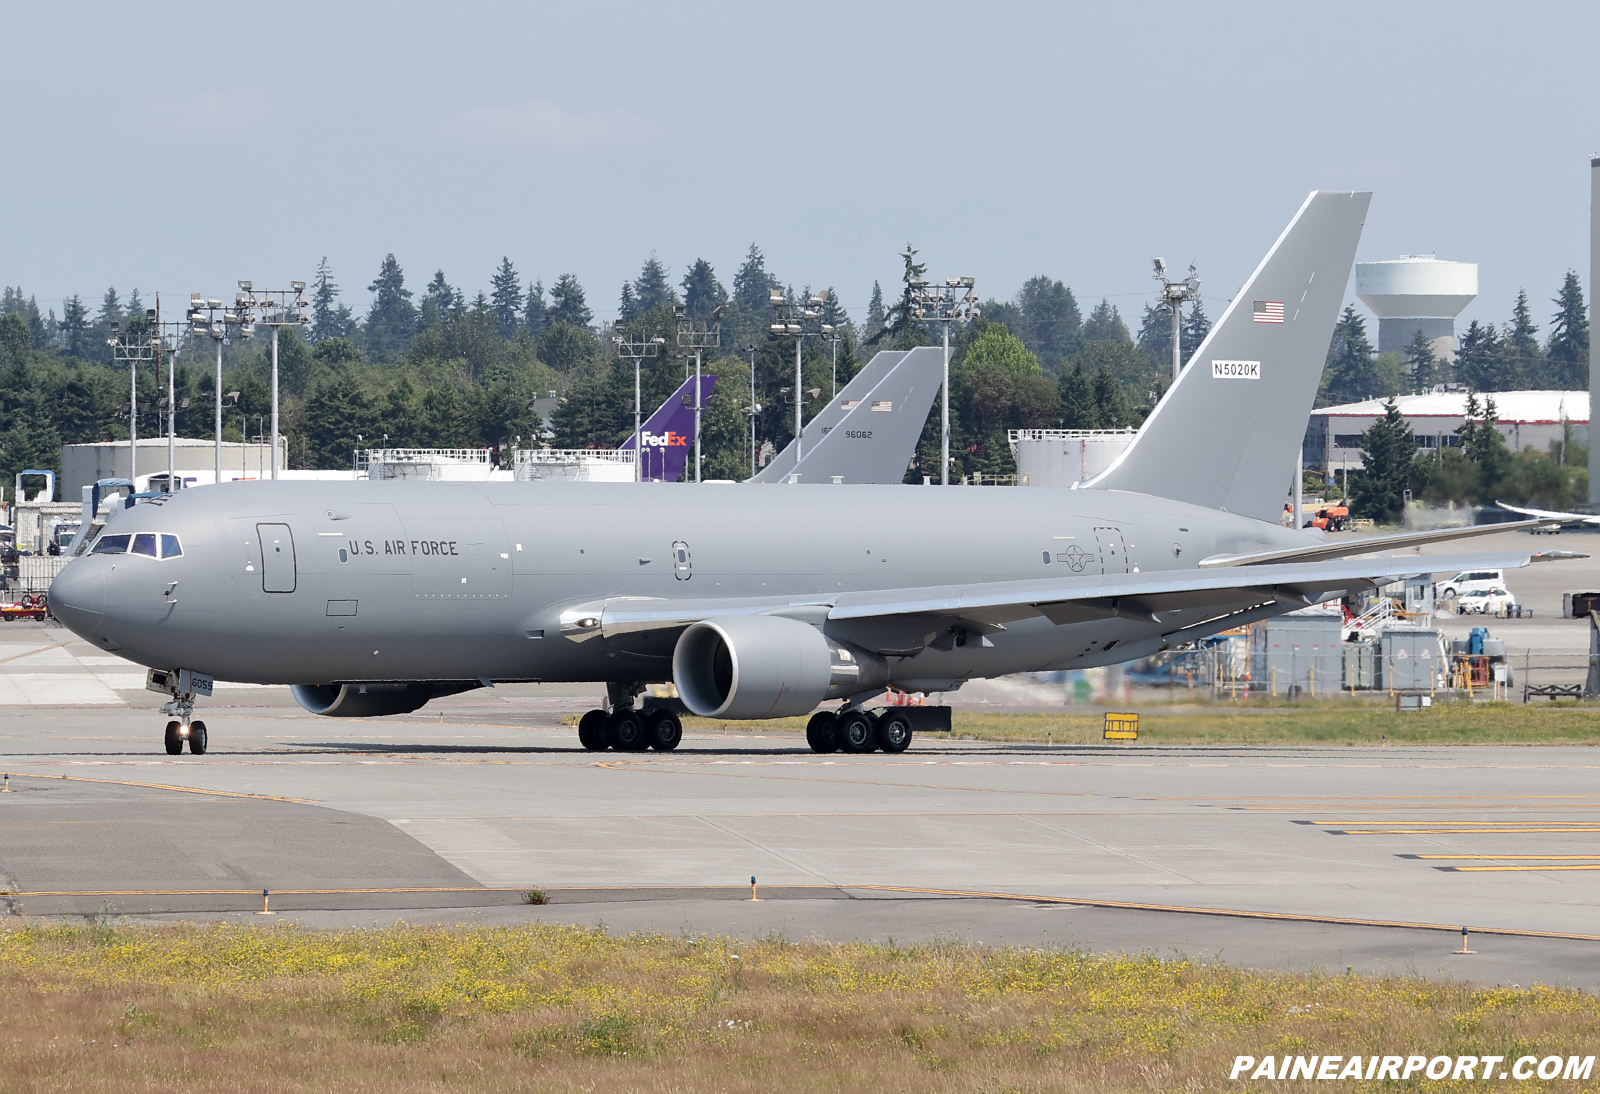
<point x="1417" y="292"/>
<point x="1062" y="457"/>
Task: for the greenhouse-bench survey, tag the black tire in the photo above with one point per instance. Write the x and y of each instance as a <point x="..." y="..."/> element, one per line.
<point x="821" y="732"/>
<point x="10" y="616"/>
<point x="663" y="731"/>
<point x="27" y="600"/>
<point x="857" y="732"/>
<point x="592" y="731"/>
<point x="625" y="730"/>
<point x="197" y="738"/>
<point x="894" y="732"/>
<point x="173" y="742"/>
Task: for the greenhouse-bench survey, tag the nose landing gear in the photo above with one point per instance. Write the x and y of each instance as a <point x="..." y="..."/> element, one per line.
<point x="179" y="732"/>
<point x="184" y="726"/>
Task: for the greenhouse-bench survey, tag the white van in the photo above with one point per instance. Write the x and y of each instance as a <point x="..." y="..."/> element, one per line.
<point x="1470" y="581"/>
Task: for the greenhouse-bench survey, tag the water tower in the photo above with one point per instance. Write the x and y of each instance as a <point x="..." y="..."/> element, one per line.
<point x="1417" y="292"/>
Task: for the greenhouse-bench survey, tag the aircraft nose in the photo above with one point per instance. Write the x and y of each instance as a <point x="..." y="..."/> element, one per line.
<point x="78" y="599"/>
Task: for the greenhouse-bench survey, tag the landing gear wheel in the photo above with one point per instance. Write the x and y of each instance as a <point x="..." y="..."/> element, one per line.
<point x="663" y="730"/>
<point x="625" y="731"/>
<point x="197" y="738"/>
<point x="592" y="731"/>
<point x="822" y="732"/>
<point x="894" y="732"/>
<point x="857" y="732"/>
<point x="174" y="742"/>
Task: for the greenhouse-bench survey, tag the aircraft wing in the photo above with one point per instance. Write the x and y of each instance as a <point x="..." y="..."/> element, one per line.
<point x="1316" y="552"/>
<point x="904" y="621"/>
<point x="1547" y="516"/>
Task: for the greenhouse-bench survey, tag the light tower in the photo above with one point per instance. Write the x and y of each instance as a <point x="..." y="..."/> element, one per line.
<point x="135" y="344"/>
<point x="279" y="308"/>
<point x="1173" y="294"/>
<point x="638" y="350"/>
<point x="942" y="306"/>
<point x="208" y="318"/>
<point x="698" y="335"/>
<point x="797" y="321"/>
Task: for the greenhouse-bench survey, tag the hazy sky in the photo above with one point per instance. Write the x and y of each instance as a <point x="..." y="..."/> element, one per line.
<point x="181" y="147"/>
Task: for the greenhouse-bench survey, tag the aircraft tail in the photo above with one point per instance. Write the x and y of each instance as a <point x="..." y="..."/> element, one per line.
<point x="669" y="432"/>
<point x="874" y="440"/>
<point x="780" y="466"/>
<point x="1225" y="435"/>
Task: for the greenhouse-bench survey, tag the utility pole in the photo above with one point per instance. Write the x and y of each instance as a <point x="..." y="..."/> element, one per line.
<point x="941" y="305"/>
<point x="698" y="335"/>
<point x="279" y="308"/>
<point x="171" y="334"/>
<point x="638" y="350"/>
<point x="753" y="409"/>
<point x="135" y="344"/>
<point x="1174" y="293"/>
<point x="209" y="319"/>
<point x="796" y="321"/>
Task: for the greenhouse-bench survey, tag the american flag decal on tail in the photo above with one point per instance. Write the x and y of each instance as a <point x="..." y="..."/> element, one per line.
<point x="1269" y="311"/>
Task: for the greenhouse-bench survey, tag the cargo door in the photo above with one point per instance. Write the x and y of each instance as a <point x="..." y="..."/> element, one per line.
<point x="278" y="571"/>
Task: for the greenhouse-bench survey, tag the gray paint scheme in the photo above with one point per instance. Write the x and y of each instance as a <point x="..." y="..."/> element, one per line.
<point x="876" y="446"/>
<point x="556" y="581"/>
<point x="871" y="374"/>
<point x="1230" y="443"/>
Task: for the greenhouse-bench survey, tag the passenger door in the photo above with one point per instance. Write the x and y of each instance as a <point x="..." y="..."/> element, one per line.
<point x="1113" y="551"/>
<point x="279" y="574"/>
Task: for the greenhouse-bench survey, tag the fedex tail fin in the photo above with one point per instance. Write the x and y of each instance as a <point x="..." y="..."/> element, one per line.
<point x="1225" y="435"/>
<point x="669" y="433"/>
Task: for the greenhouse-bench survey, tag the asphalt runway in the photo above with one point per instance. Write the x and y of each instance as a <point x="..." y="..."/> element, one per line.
<point x="453" y="813"/>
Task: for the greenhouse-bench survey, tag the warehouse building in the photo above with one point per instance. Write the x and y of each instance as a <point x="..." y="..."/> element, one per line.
<point x="1333" y="436"/>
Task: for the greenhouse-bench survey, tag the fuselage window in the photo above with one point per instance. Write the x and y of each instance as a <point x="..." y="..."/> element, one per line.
<point x="170" y="547"/>
<point x="111" y="545"/>
<point x="144" y="544"/>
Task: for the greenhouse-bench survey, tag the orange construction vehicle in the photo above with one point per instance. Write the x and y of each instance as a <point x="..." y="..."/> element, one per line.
<point x="1332" y="519"/>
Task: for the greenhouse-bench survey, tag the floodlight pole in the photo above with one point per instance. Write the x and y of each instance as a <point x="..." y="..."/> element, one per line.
<point x="752" y="349"/>
<point x="211" y="319"/>
<point x="796" y="321"/>
<point x="144" y="347"/>
<point x="638" y="351"/>
<point x="941" y="305"/>
<point x="1174" y="293"/>
<point x="698" y="335"/>
<point x="280" y="308"/>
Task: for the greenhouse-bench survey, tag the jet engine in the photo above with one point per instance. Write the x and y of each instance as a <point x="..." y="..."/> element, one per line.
<point x="371" y="700"/>
<point x="767" y="666"/>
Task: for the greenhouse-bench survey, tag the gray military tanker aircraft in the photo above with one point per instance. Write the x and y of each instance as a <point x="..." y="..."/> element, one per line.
<point x="757" y="602"/>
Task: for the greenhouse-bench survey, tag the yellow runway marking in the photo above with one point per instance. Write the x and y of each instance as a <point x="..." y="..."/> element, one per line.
<point x="1454" y="831"/>
<point x="163" y="786"/>
<point x="275" y="892"/>
<point x="1508" y="869"/>
<point x="1507" y="858"/>
<point x="30" y="653"/>
<point x="1375" y="824"/>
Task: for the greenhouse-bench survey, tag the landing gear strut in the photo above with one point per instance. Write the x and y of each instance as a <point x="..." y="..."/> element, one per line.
<point x="626" y="728"/>
<point x="184" y="727"/>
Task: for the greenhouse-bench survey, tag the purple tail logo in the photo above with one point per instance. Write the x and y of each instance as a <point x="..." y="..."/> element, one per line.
<point x="668" y="434"/>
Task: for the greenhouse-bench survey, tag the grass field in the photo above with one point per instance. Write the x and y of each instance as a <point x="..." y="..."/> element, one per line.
<point x="1321" y="722"/>
<point x="569" y="1009"/>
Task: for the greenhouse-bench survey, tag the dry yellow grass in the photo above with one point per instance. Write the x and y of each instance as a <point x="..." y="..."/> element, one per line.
<point x="566" y="1009"/>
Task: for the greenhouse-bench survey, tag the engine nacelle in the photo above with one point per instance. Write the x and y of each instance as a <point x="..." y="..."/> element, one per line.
<point x="372" y="700"/>
<point x="766" y="666"/>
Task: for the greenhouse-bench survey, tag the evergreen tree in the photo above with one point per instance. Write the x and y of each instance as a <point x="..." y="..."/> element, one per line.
<point x="74" y="327"/>
<point x="329" y="318"/>
<point x="902" y="325"/>
<point x="627" y="305"/>
<point x="391" y="322"/>
<point x="26" y="309"/>
<point x="876" y="317"/>
<point x="1567" y="351"/>
<point x="753" y="283"/>
<point x="702" y="292"/>
<point x="533" y="314"/>
<point x="1422" y="364"/>
<point x="1079" y="410"/>
<point x="439" y="300"/>
<point x="134" y="306"/>
<point x="1052" y="325"/>
<point x="566" y="302"/>
<point x="1155" y="334"/>
<point x="1350" y="372"/>
<point x="506" y="299"/>
<point x="339" y="410"/>
<point x="1111" y="401"/>
<point x="1105" y="325"/>
<point x="111" y="313"/>
<point x="1389" y="448"/>
<point x="1484" y="446"/>
<point x="1521" y="359"/>
<point x="1477" y="356"/>
<point x="833" y="313"/>
<point x="1192" y="331"/>
<point x="652" y="288"/>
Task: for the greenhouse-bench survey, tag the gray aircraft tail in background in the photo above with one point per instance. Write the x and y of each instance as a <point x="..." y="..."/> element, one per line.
<point x="1225" y="435"/>
<point x="868" y="432"/>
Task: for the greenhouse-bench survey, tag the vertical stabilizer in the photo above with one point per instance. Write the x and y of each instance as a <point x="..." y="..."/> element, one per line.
<point x="669" y="433"/>
<point x="1227" y="433"/>
<point x="778" y="469"/>
<point x="877" y="435"/>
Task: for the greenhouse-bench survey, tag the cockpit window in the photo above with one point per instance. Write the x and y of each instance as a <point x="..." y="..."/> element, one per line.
<point x="170" y="547"/>
<point x="111" y="545"/>
<point x="145" y="544"/>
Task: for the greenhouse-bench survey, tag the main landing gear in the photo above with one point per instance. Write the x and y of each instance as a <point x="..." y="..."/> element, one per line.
<point x="858" y="731"/>
<point x="627" y="729"/>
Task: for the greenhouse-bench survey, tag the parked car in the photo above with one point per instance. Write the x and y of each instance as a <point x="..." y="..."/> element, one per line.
<point x="1469" y="580"/>
<point x="1490" y="601"/>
